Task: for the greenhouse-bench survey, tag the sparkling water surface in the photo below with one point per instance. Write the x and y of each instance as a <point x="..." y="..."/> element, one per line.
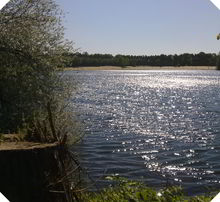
<point x="160" y="127"/>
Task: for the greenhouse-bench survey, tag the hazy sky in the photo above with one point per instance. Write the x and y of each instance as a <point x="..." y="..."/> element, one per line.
<point x="142" y="27"/>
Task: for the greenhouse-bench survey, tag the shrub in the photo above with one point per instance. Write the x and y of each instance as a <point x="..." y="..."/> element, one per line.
<point x="126" y="190"/>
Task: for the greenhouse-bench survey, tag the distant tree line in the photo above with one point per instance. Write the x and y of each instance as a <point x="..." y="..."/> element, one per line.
<point x="186" y="59"/>
<point x="218" y="62"/>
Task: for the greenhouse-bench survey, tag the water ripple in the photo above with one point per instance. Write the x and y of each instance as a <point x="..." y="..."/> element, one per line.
<point x="156" y="126"/>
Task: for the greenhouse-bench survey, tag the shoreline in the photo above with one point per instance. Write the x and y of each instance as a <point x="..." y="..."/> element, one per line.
<point x="97" y="68"/>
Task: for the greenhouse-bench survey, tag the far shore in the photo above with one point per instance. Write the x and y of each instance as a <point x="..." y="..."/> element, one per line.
<point x="141" y="68"/>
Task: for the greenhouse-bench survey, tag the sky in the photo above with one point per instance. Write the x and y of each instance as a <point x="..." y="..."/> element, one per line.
<point x="142" y="27"/>
<point x="3" y="3"/>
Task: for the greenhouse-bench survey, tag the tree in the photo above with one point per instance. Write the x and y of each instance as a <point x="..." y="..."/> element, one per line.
<point x="32" y="47"/>
<point x="218" y="58"/>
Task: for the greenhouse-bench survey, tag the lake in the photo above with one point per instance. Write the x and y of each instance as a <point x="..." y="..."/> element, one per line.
<point x="160" y="127"/>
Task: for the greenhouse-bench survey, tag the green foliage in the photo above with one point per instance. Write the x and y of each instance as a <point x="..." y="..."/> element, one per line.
<point x="130" y="191"/>
<point x="121" y="60"/>
<point x="172" y="194"/>
<point x="32" y="47"/>
<point x="218" y="62"/>
<point x="85" y="59"/>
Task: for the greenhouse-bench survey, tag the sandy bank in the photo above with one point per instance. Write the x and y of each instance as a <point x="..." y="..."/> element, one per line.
<point x="142" y="68"/>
